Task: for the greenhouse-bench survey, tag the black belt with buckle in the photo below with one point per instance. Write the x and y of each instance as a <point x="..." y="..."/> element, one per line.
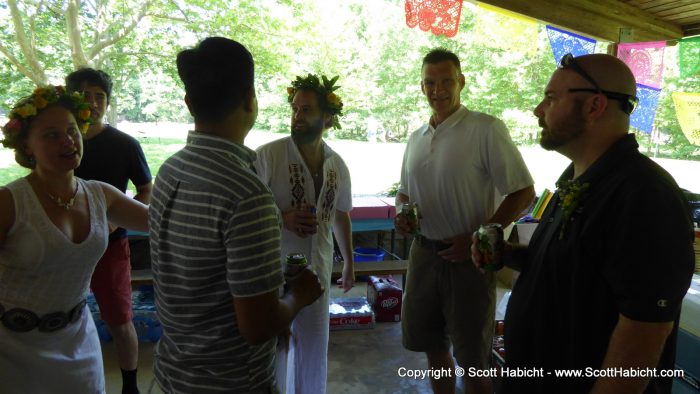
<point x="23" y="320"/>
<point x="432" y="244"/>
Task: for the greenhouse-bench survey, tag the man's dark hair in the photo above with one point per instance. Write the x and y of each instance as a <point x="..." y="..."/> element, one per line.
<point x="439" y="55"/>
<point x="217" y="75"/>
<point x="92" y="77"/>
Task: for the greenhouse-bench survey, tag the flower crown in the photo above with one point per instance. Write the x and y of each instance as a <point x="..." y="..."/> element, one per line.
<point x="324" y="88"/>
<point x="42" y="97"/>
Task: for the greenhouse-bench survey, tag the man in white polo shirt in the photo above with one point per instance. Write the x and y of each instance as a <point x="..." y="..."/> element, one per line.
<point x="455" y="168"/>
<point x="311" y="186"/>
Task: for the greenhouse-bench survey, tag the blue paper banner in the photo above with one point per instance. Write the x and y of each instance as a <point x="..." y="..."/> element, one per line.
<point x="563" y="42"/>
<point x="643" y="117"/>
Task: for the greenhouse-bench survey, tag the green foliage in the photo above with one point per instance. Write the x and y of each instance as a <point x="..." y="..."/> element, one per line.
<point x="506" y="62"/>
<point x="393" y="190"/>
<point x="11" y="173"/>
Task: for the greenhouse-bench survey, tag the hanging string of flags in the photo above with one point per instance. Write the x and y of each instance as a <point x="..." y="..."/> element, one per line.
<point x="645" y="59"/>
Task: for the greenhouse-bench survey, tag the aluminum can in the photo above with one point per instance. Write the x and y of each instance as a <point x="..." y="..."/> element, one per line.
<point x="410" y="211"/>
<point x="294" y="264"/>
<point x="491" y="245"/>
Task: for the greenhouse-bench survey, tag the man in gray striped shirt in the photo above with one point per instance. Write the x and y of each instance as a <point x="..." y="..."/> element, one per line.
<point x="215" y="240"/>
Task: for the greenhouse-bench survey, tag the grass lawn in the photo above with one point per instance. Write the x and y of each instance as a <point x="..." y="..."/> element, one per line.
<point x="374" y="167"/>
<point x="156" y="152"/>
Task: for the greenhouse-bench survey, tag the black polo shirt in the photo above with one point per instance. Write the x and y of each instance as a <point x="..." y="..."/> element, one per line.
<point x="627" y="249"/>
<point x="116" y="158"/>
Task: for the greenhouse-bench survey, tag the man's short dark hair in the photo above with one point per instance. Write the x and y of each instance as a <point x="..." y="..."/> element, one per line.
<point x="439" y="55"/>
<point x="93" y="77"/>
<point x="217" y="74"/>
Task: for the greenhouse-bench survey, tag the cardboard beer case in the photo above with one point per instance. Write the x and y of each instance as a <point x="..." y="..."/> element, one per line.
<point x="385" y="295"/>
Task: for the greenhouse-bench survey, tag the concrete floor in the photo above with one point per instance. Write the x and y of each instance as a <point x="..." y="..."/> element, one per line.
<point x="359" y="361"/>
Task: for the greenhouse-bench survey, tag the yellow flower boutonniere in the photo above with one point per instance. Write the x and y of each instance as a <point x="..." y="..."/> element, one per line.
<point x="571" y="195"/>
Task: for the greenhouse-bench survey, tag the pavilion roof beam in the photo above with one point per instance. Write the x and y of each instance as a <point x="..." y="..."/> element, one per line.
<point x="602" y="19"/>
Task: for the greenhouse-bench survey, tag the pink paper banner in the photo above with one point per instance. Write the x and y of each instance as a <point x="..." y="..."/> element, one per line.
<point x="646" y="59"/>
<point x="438" y="16"/>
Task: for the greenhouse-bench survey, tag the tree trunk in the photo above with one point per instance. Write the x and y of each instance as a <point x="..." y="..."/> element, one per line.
<point x="34" y="71"/>
<point x="73" y="31"/>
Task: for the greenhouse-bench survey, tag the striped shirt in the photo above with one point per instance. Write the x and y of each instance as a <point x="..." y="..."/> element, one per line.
<point x="214" y="236"/>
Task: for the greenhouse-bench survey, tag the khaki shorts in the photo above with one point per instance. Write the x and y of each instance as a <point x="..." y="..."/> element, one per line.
<point x="448" y="302"/>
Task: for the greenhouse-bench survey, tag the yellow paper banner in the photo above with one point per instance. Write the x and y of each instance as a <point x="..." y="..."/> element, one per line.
<point x="505" y="12"/>
<point x="499" y="28"/>
<point x="688" y="114"/>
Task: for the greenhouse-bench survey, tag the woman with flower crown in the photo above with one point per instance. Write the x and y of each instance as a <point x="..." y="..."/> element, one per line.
<point x="53" y="230"/>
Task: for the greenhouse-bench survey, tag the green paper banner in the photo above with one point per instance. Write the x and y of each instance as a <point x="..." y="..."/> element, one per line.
<point x="689" y="56"/>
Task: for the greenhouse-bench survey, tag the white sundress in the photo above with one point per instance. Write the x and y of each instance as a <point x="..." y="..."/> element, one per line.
<point x="43" y="271"/>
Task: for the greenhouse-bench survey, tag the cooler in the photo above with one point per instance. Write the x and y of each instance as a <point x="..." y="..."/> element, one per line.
<point x="350" y="314"/>
<point x="146" y="323"/>
<point x="688" y="345"/>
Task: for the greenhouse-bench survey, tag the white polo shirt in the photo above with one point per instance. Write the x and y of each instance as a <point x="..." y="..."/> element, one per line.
<point x="459" y="172"/>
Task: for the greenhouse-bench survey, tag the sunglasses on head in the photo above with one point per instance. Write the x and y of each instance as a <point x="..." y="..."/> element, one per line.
<point x="629" y="102"/>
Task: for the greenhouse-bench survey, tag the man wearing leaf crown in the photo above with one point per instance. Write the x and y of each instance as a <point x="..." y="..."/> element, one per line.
<point x="311" y="186"/>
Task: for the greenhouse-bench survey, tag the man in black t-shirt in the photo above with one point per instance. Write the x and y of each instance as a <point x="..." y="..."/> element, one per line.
<point x="114" y="157"/>
<point x="604" y="275"/>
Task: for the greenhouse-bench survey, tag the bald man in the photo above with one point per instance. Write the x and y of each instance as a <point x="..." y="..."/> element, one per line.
<point x="604" y="275"/>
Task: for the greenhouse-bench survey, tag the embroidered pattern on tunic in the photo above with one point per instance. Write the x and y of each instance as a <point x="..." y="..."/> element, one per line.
<point x="297" y="180"/>
<point x="329" y="198"/>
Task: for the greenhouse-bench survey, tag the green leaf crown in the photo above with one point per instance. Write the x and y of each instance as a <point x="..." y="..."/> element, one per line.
<point x="324" y="88"/>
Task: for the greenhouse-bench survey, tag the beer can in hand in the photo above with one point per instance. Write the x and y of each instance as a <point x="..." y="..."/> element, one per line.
<point x="294" y="264"/>
<point x="491" y="245"/>
<point x="409" y="211"/>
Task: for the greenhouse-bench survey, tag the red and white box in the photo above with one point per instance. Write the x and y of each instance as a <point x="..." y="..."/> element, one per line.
<point x="350" y="314"/>
<point x="385" y="295"/>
